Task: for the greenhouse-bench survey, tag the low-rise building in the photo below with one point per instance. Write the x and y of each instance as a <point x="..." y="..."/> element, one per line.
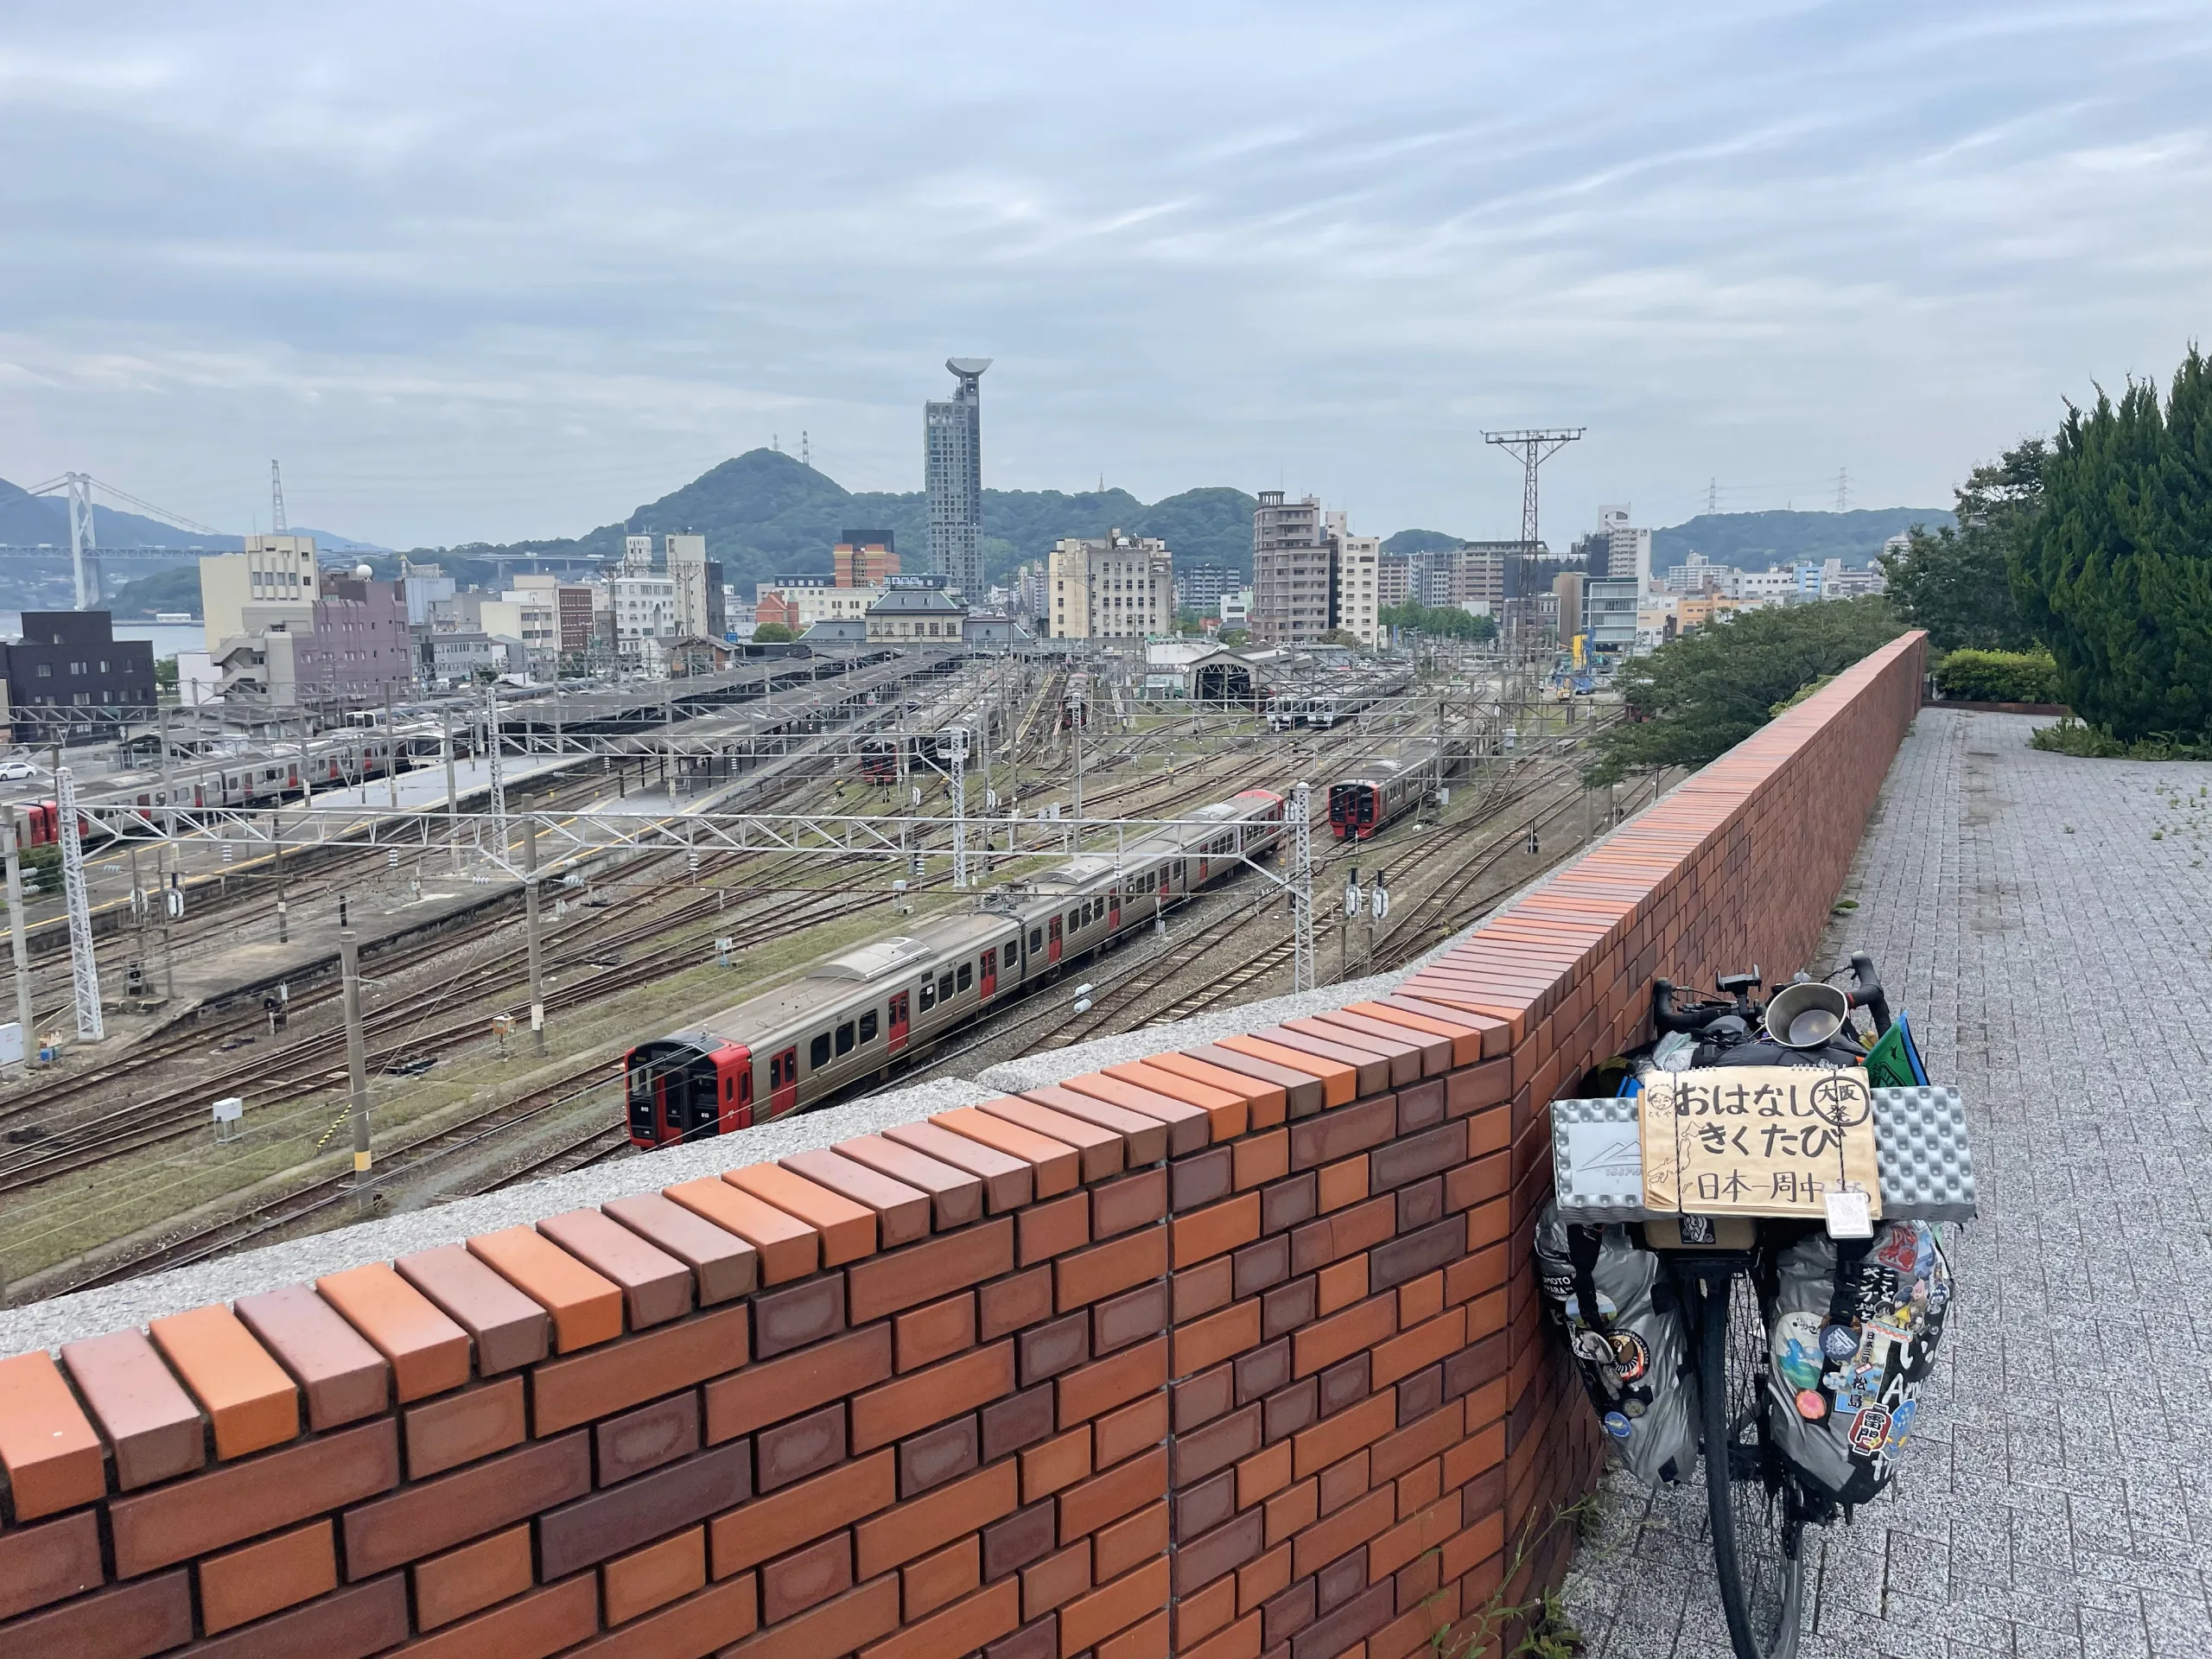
<point x="455" y="659"/>
<point x="69" y="679"/>
<point x="644" y="618"/>
<point x="350" y="648"/>
<point x="799" y="601"/>
<point x="916" y="610"/>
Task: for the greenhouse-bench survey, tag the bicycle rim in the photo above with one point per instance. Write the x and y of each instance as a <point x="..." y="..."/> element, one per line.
<point x="1756" y="1535"/>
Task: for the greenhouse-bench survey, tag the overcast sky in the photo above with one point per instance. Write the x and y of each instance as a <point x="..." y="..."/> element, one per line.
<point x="485" y="271"/>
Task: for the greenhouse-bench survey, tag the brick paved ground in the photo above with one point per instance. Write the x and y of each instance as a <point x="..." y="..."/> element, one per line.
<point x="2057" y="1499"/>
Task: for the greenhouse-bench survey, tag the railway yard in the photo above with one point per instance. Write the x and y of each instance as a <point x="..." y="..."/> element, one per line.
<point x="111" y="1164"/>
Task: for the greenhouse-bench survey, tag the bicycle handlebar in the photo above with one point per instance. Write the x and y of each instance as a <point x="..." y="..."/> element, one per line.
<point x="1868" y="992"/>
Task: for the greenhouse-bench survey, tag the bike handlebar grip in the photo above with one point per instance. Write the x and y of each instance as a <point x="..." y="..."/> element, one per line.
<point x="1870" y="994"/>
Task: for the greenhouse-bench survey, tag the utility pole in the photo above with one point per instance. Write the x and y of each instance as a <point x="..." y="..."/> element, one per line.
<point x="1076" y="712"/>
<point x="498" y="778"/>
<point x="1301" y="892"/>
<point x="957" y="737"/>
<point x="391" y="749"/>
<point x="17" y="941"/>
<point x="357" y="1065"/>
<point x="1534" y="447"/>
<point x="452" y="795"/>
<point x="84" y="967"/>
<point x="530" y="932"/>
<point x="277" y="851"/>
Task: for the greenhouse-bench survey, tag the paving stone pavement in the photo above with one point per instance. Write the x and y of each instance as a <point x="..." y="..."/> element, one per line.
<point x="2047" y="922"/>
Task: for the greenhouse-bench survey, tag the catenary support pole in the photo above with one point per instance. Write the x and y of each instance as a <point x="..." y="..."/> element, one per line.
<point x="18" y="941"/>
<point x="84" y="967"/>
<point x="452" y="795"/>
<point x="357" y="1063"/>
<point x="530" y="931"/>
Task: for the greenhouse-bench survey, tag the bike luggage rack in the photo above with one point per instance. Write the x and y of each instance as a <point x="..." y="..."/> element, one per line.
<point x="1920" y="1147"/>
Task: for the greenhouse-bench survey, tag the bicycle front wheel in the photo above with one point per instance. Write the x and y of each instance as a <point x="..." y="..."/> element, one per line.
<point x="1757" y="1533"/>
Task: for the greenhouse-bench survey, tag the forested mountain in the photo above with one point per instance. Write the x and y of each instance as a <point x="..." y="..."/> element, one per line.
<point x="765" y="513"/>
<point x="1752" y="541"/>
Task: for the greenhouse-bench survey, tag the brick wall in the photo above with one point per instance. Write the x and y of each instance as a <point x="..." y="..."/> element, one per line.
<point x="1231" y="1353"/>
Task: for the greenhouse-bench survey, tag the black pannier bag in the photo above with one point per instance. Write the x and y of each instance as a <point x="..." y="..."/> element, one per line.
<point x="1625" y="1327"/>
<point x="1852" y="1332"/>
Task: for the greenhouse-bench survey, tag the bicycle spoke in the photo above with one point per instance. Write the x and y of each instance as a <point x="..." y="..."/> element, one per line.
<point x="1756" y="1530"/>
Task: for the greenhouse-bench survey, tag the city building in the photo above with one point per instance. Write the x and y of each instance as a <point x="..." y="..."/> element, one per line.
<point x="799" y="603"/>
<point x="1393" y="579"/>
<point x="1566" y="597"/>
<point x="1695" y="574"/>
<point x="1235" y="610"/>
<point x="697" y="583"/>
<point x="272" y="570"/>
<point x="573" y="604"/>
<point x="67" y="664"/>
<point x="1358" y="559"/>
<point x="349" y="648"/>
<point x="644" y="618"/>
<point x="1032" y="588"/>
<point x="1119" y="587"/>
<point x="1609" y="616"/>
<point x="952" y="472"/>
<point x="862" y="558"/>
<point x="1200" y="587"/>
<point x="1293" y="571"/>
<point x="1628" y="547"/>
<point x="529" y="614"/>
<point x="916" y="610"/>
<point x="455" y="659"/>
<point x="426" y="585"/>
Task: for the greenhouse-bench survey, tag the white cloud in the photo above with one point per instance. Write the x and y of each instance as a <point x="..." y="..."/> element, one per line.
<point x="493" y="271"/>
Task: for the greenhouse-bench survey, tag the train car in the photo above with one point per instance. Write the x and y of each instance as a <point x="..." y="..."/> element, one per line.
<point x="244" y="779"/>
<point x="1383" y="787"/>
<point x="854" y="1015"/>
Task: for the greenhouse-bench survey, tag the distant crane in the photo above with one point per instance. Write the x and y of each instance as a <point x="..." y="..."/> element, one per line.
<point x="1535" y="447"/>
<point x="83" y="542"/>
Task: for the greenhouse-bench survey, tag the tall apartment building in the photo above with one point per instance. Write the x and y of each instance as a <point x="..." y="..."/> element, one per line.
<point x="1393" y="579"/>
<point x="1293" y="571"/>
<point x="1121" y="586"/>
<point x="273" y="569"/>
<point x="952" y="473"/>
<point x="862" y="558"/>
<point x="1628" y="548"/>
<point x="1310" y="574"/>
<point x="1358" y="572"/>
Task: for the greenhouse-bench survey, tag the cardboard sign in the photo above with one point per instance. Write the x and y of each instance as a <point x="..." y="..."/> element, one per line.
<point x="1758" y="1140"/>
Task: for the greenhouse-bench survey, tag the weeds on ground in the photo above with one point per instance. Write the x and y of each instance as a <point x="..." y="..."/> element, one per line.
<point x="2072" y="736"/>
<point x="1547" y="1631"/>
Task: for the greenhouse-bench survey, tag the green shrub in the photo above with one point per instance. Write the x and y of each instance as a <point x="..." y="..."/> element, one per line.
<point x="2071" y="736"/>
<point x="2000" y="676"/>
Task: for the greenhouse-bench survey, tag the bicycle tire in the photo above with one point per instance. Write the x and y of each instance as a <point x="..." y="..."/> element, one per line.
<point x="1757" y="1533"/>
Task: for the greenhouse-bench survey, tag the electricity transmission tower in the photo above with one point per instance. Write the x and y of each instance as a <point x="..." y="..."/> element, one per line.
<point x="276" y="525"/>
<point x="1843" y="489"/>
<point x="1534" y="447"/>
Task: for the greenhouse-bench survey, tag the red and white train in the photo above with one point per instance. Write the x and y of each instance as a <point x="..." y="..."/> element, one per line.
<point x="855" y="1014"/>
<point x="1385" y="786"/>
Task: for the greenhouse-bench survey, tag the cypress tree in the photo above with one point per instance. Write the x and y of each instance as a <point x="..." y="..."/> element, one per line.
<point x="2115" y="576"/>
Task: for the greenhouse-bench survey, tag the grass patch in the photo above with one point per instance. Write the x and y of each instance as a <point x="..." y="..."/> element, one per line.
<point x="2075" y="737"/>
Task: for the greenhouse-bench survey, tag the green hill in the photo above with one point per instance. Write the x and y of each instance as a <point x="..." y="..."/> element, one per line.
<point x="765" y="513"/>
<point x="1752" y="541"/>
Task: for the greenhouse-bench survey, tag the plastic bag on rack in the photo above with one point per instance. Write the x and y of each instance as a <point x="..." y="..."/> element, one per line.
<point x="1624" y="1327"/>
<point x="1852" y="1333"/>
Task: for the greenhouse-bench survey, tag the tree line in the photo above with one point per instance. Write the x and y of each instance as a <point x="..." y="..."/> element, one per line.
<point x="2080" y="566"/>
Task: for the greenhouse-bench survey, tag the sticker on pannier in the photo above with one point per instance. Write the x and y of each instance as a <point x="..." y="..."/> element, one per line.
<point x="1624" y="1327"/>
<point x="1853" y="1329"/>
